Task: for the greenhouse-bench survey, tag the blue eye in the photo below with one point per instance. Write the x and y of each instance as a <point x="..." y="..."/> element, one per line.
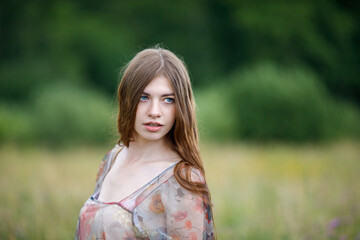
<point x="144" y="98"/>
<point x="169" y="100"/>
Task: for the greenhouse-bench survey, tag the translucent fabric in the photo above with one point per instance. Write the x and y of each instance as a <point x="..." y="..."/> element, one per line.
<point x="161" y="209"/>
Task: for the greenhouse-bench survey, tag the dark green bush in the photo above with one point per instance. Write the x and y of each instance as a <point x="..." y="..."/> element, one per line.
<point x="67" y="114"/>
<point x="344" y="120"/>
<point x="273" y="103"/>
<point x="16" y="125"/>
<point x="216" y="119"/>
<point x="18" y="78"/>
<point x="267" y="102"/>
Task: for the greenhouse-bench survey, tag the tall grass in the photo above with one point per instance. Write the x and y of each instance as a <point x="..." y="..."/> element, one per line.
<point x="259" y="192"/>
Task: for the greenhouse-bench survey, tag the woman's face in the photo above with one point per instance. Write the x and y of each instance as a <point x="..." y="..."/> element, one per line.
<point x="155" y="114"/>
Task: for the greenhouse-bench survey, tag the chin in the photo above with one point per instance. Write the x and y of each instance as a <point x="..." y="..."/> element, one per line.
<point x="151" y="138"/>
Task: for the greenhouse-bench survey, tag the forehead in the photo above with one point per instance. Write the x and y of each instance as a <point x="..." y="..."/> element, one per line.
<point x="159" y="85"/>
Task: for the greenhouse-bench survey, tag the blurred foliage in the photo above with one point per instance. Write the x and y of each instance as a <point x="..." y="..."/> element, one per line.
<point x="266" y="102"/>
<point x="15" y="125"/>
<point x="312" y="46"/>
<point x="60" y="115"/>
<point x="75" y="114"/>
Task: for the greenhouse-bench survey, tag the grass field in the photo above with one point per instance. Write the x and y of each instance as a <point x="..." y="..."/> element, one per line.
<point x="259" y="192"/>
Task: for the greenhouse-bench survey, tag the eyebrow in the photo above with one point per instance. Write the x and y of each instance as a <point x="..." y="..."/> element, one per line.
<point x="163" y="95"/>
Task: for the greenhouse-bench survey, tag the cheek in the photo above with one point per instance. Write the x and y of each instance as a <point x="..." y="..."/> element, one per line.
<point x="173" y="112"/>
<point x="139" y="111"/>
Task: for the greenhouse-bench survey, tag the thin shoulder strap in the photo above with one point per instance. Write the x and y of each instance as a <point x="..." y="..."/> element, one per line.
<point x="114" y="153"/>
<point x="110" y="159"/>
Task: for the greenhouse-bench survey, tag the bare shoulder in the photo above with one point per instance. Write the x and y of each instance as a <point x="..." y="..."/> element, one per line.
<point x="106" y="159"/>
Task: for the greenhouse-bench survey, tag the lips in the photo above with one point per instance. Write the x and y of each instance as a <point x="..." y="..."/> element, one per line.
<point x="153" y="126"/>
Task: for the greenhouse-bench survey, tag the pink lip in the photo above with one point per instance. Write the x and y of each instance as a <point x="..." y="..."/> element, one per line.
<point x="153" y="128"/>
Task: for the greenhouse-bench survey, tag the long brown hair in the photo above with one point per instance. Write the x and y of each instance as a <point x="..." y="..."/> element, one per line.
<point x="137" y="74"/>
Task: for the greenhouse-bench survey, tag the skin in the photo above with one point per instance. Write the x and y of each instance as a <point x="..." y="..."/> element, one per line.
<point x="156" y="105"/>
<point x="149" y="154"/>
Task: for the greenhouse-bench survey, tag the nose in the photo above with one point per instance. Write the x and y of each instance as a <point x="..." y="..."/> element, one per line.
<point x="154" y="110"/>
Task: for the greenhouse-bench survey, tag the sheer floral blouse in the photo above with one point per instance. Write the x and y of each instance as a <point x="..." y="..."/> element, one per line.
<point x="161" y="209"/>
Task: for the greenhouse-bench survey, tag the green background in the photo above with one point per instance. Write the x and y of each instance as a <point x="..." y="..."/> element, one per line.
<point x="262" y="70"/>
<point x="277" y="90"/>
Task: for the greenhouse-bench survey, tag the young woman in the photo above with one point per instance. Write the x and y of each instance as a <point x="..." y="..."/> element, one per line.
<point x="151" y="185"/>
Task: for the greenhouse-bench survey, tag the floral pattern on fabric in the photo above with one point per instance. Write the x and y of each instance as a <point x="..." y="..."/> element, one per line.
<point x="156" y="205"/>
<point x="87" y="216"/>
<point x="162" y="209"/>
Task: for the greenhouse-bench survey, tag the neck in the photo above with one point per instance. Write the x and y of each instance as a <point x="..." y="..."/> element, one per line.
<point x="148" y="151"/>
